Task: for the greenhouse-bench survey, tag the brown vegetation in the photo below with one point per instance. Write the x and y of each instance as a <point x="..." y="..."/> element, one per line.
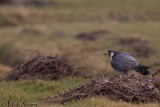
<point x="130" y="89"/>
<point x="43" y="67"/>
<point x="28" y="2"/>
<point x="32" y="31"/>
<point x="91" y="35"/>
<point x="140" y="47"/>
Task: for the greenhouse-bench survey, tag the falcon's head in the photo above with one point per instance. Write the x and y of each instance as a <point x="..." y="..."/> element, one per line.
<point x="111" y="53"/>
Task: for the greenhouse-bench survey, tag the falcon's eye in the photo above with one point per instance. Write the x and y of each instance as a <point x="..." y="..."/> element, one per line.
<point x="108" y="53"/>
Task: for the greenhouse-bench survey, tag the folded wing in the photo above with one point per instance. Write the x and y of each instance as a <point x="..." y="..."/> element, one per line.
<point x="124" y="62"/>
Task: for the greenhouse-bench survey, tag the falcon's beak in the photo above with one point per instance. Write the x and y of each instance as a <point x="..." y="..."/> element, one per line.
<point x="106" y="53"/>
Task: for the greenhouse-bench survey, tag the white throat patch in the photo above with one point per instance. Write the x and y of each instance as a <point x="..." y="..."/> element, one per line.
<point x="111" y="55"/>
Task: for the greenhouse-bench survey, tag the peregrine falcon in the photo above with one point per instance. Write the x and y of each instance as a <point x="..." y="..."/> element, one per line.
<point x="122" y="63"/>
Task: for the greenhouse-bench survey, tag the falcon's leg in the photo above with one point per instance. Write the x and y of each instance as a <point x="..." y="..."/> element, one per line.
<point x="126" y="72"/>
<point x="131" y="72"/>
<point x="121" y="73"/>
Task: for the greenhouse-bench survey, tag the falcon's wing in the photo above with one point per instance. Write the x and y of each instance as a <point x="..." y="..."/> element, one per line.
<point x="123" y="62"/>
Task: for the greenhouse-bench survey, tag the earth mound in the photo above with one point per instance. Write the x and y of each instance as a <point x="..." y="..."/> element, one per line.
<point x="91" y="35"/>
<point x="29" y="2"/>
<point x="43" y="67"/>
<point x="134" y="89"/>
<point x="140" y="47"/>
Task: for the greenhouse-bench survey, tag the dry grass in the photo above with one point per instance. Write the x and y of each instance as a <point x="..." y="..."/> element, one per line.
<point x="4" y="69"/>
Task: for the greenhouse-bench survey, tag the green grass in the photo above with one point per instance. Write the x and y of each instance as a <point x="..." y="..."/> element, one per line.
<point x="99" y="102"/>
<point x="32" y="90"/>
<point x="29" y="91"/>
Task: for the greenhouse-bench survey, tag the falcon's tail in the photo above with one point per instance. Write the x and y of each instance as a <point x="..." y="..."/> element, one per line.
<point x="142" y="69"/>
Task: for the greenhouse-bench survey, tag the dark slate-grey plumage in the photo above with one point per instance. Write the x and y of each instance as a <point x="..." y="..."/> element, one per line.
<point x="122" y="63"/>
